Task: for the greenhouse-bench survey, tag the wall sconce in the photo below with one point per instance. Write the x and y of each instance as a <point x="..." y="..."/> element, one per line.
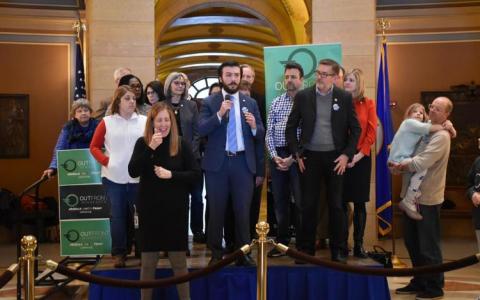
<point x="393" y="104"/>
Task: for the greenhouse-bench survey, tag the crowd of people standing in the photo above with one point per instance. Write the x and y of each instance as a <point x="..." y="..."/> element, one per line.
<point x="157" y="147"/>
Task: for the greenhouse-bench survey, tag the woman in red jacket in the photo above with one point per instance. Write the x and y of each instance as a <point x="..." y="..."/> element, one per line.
<point x="357" y="178"/>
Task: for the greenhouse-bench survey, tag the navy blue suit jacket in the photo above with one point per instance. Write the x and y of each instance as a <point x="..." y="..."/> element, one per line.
<point x="209" y="126"/>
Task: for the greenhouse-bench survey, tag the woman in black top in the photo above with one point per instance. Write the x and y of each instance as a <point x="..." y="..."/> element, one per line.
<point x="167" y="168"/>
<point x="186" y="114"/>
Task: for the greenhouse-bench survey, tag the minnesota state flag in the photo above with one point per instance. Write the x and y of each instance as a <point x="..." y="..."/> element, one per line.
<point x="383" y="188"/>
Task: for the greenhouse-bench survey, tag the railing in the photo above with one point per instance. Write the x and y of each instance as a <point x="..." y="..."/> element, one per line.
<point x="19" y="227"/>
<point x="29" y="245"/>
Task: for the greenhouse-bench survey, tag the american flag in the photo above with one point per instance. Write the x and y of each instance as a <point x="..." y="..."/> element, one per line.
<point x="80" y="91"/>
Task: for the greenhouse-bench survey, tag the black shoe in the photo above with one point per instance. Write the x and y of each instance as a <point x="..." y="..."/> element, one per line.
<point x="275" y="253"/>
<point x="359" y="252"/>
<point x="340" y="258"/>
<point x="199" y="238"/>
<point x="408" y="290"/>
<point x="245" y="261"/>
<point x="214" y="260"/>
<point x="429" y="295"/>
<point x="119" y="261"/>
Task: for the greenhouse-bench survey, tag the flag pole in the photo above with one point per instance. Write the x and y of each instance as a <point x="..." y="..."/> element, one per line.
<point x="384" y="24"/>
<point x="80" y="76"/>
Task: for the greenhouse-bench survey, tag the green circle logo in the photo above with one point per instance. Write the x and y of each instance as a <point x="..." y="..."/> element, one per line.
<point x="72" y="236"/>
<point x="304" y="57"/>
<point x="69" y="165"/>
<point x="71" y="200"/>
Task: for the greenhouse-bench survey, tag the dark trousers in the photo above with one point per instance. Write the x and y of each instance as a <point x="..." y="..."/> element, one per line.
<point x="196" y="207"/>
<point x="359" y="222"/>
<point x="319" y="166"/>
<point x="422" y="239"/>
<point x="229" y="229"/>
<point x="284" y="185"/>
<point x="233" y="180"/>
<point x="255" y="207"/>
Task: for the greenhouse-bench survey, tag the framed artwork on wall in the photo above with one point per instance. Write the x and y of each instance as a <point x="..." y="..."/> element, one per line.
<point x="14" y="126"/>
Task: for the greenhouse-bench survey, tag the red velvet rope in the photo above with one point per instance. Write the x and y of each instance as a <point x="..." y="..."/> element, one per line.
<point x="124" y="283"/>
<point x="440" y="268"/>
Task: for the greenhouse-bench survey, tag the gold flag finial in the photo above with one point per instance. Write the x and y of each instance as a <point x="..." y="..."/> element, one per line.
<point x="79" y="27"/>
<point x="384" y="24"/>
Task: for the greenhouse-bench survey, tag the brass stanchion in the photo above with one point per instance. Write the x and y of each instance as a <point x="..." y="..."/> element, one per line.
<point x="29" y="244"/>
<point x="262" y="229"/>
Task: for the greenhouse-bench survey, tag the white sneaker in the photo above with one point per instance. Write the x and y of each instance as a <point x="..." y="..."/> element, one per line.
<point x="411" y="213"/>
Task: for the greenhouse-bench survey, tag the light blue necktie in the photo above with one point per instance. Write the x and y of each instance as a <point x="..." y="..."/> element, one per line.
<point x="232" y="129"/>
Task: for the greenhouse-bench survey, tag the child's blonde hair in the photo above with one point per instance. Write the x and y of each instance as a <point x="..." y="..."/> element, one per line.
<point x="413" y="107"/>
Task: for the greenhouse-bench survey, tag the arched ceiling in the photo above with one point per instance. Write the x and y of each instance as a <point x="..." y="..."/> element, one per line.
<point x="195" y="36"/>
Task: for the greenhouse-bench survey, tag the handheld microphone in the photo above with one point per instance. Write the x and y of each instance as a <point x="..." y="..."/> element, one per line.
<point x="227" y="113"/>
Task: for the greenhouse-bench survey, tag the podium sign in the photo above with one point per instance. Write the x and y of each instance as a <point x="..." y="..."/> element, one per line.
<point x="85" y="237"/>
<point x="77" y="167"/>
<point x="83" y="206"/>
<point x="83" y="202"/>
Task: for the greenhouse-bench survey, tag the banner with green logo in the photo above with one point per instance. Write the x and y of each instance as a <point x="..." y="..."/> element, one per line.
<point x="85" y="237"/>
<point x="83" y="205"/>
<point x="77" y="167"/>
<point x="307" y="56"/>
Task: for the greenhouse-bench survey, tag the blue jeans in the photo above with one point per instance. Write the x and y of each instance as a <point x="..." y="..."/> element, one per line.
<point x="122" y="198"/>
<point x="196" y="207"/>
<point x="284" y="185"/>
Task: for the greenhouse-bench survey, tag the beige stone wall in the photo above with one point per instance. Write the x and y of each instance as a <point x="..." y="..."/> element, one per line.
<point x="351" y="23"/>
<point x="119" y="34"/>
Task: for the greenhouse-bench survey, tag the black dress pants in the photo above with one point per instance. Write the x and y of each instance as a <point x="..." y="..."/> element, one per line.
<point x="319" y="166"/>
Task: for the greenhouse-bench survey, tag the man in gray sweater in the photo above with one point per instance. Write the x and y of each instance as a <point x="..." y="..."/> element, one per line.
<point x="422" y="238"/>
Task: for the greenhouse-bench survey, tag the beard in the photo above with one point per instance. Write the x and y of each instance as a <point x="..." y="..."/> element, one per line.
<point x="231" y="90"/>
<point x="291" y="87"/>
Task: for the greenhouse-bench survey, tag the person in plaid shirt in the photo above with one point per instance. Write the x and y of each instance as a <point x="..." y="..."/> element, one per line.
<point x="285" y="178"/>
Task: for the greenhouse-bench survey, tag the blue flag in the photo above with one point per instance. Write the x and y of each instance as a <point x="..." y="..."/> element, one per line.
<point x="383" y="179"/>
<point x="80" y="91"/>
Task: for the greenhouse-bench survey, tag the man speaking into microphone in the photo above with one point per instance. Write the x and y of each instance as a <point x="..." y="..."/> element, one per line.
<point x="233" y="125"/>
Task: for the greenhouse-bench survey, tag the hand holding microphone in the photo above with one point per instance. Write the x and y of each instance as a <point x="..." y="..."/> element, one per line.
<point x="225" y="107"/>
<point x="249" y="118"/>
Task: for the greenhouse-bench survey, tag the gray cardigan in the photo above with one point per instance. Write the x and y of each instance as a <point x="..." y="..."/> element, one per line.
<point x="188" y="122"/>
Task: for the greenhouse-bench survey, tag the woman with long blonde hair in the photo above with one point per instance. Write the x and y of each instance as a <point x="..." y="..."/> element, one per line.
<point x="166" y="166"/>
<point x="357" y="177"/>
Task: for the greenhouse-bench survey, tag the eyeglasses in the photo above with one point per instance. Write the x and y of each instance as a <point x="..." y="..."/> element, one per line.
<point x="323" y="74"/>
<point x="135" y="86"/>
<point x="179" y="83"/>
<point x="151" y="93"/>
